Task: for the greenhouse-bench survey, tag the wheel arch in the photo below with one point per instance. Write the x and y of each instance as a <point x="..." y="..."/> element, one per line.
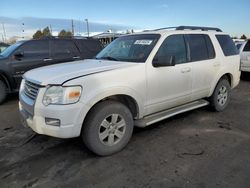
<point x="226" y="75"/>
<point x="123" y="98"/>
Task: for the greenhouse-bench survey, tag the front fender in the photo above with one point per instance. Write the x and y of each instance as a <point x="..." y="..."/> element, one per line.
<point x="97" y="95"/>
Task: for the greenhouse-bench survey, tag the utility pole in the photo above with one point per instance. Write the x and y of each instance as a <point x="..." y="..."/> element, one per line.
<point x="2" y="38"/>
<point x="72" y="27"/>
<point x="23" y="30"/>
<point x="50" y="28"/>
<point x="87" y="22"/>
<point x="4" y="33"/>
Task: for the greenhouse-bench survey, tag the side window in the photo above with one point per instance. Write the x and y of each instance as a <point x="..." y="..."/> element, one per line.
<point x="227" y="45"/>
<point x="64" y="48"/>
<point x="198" y="47"/>
<point x="247" y="47"/>
<point x="173" y="45"/>
<point x="35" y="48"/>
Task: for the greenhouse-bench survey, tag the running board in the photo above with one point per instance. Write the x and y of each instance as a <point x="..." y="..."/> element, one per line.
<point x="151" y="119"/>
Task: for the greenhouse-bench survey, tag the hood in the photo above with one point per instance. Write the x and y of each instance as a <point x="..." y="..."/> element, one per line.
<point x="60" y="73"/>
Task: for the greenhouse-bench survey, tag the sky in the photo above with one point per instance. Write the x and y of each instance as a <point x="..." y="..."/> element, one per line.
<point x="229" y="15"/>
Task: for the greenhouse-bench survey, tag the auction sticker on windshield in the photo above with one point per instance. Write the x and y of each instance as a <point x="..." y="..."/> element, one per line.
<point x="143" y="42"/>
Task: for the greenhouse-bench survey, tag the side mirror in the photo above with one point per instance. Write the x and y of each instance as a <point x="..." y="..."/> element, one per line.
<point x="164" y="61"/>
<point x="18" y="55"/>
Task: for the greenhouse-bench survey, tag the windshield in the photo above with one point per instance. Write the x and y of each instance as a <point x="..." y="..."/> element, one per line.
<point x="10" y="49"/>
<point x="132" y="48"/>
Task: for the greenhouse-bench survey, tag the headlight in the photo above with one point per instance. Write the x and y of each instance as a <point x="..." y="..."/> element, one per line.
<point x="62" y="95"/>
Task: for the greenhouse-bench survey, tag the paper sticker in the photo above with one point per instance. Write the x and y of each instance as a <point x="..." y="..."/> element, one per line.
<point x="143" y="42"/>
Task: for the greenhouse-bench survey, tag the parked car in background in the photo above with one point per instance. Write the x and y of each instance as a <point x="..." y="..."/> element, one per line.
<point x="245" y="56"/>
<point x="238" y="44"/>
<point x="137" y="80"/>
<point x="26" y="55"/>
<point x="3" y="46"/>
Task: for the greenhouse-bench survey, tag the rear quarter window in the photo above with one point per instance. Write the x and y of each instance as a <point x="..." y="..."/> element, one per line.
<point x="227" y="45"/>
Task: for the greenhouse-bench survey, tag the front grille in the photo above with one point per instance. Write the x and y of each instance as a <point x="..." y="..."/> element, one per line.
<point x="31" y="89"/>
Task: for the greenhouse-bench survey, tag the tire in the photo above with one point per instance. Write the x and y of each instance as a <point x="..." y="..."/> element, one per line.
<point x="108" y="128"/>
<point x="3" y="91"/>
<point x="221" y="95"/>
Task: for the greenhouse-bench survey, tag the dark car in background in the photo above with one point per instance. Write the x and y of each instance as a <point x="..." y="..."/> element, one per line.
<point x="26" y="55"/>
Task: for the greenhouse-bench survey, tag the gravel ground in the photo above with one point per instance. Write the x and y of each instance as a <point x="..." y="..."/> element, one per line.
<point x="196" y="149"/>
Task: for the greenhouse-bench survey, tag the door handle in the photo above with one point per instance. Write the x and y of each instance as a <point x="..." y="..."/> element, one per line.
<point x="47" y="59"/>
<point x="76" y="57"/>
<point x="185" y="70"/>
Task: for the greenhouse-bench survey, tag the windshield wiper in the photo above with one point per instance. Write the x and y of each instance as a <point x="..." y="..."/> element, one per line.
<point x="109" y="58"/>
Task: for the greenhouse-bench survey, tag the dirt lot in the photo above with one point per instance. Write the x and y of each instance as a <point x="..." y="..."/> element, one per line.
<point x="196" y="149"/>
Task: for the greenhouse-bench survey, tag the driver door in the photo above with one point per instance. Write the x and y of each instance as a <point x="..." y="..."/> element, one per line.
<point x="30" y="55"/>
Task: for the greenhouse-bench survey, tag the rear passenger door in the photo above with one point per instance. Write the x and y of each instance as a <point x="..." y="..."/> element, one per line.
<point x="64" y="51"/>
<point x="204" y="65"/>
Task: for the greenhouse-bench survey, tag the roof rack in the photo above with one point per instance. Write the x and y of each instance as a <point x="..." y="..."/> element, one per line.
<point x="198" y="28"/>
<point x="65" y="37"/>
<point x="190" y="28"/>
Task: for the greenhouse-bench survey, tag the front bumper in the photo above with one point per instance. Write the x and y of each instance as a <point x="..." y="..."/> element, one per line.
<point x="71" y="117"/>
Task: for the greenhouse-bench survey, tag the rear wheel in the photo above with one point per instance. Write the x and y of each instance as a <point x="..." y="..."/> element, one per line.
<point x="3" y="91"/>
<point x="108" y="128"/>
<point x="221" y="96"/>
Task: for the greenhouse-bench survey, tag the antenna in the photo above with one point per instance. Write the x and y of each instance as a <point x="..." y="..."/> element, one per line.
<point x="4" y="32"/>
<point x="72" y="27"/>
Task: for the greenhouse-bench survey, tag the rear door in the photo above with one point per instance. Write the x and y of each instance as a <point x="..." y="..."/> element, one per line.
<point x="34" y="55"/>
<point x="202" y="55"/>
<point x="89" y="48"/>
<point x="245" y="57"/>
<point x="64" y="51"/>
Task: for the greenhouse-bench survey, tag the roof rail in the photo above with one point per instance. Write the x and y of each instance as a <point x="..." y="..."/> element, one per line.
<point x="199" y="28"/>
<point x="189" y="28"/>
<point x="164" y="28"/>
<point x="65" y="37"/>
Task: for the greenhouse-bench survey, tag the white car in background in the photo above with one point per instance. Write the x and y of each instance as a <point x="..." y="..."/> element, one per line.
<point x="245" y="56"/>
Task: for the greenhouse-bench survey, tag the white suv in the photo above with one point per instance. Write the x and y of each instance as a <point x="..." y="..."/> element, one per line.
<point x="137" y="80"/>
<point x="245" y="56"/>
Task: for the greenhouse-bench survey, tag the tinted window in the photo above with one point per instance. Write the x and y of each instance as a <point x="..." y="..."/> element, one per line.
<point x="227" y="45"/>
<point x="64" y="48"/>
<point x="247" y="47"/>
<point x="35" y="48"/>
<point x="198" y="47"/>
<point x="173" y="45"/>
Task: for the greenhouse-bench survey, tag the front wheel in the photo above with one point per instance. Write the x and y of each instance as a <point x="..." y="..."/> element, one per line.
<point x="221" y="96"/>
<point x="108" y="128"/>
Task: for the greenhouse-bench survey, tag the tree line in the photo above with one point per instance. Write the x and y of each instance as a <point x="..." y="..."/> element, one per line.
<point x="46" y="32"/>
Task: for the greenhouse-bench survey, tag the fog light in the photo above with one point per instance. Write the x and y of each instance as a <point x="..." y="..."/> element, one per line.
<point x="52" y="121"/>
